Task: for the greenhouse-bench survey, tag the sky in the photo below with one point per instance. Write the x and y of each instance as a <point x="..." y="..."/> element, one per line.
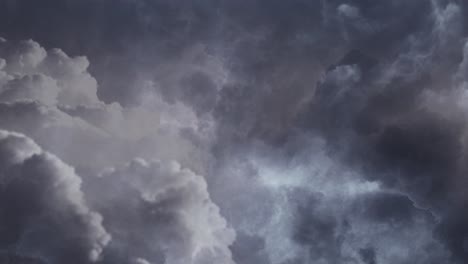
<point x="233" y="131"/>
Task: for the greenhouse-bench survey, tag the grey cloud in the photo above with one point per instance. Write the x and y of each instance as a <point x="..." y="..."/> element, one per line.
<point x="52" y="98"/>
<point x="168" y="208"/>
<point x="43" y="209"/>
<point x="393" y="124"/>
<point x="310" y="208"/>
<point x="329" y="131"/>
<point x="348" y="10"/>
<point x="140" y="261"/>
<point x="38" y="87"/>
<point x="249" y="249"/>
<point x="160" y="212"/>
<point x="60" y="79"/>
<point x="368" y="255"/>
<point x="263" y="47"/>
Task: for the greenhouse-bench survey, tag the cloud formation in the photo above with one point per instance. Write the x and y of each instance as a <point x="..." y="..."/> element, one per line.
<point x="44" y="214"/>
<point x="327" y="131"/>
<point x="169" y="216"/>
<point x="161" y="213"/>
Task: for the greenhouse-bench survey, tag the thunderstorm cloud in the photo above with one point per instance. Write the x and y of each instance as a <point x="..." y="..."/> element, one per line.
<point x="233" y="132"/>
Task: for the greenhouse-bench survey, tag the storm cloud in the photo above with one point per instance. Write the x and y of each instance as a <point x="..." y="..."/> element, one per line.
<point x="267" y="132"/>
<point x="44" y="214"/>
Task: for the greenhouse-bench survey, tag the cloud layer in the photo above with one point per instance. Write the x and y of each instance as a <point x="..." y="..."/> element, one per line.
<point x="266" y="132"/>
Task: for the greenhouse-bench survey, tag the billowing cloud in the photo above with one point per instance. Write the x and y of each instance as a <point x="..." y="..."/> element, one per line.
<point x="30" y="72"/>
<point x="44" y="213"/>
<point x="160" y="212"/>
<point x="326" y="131"/>
<point x="52" y="98"/>
<point x="169" y="216"/>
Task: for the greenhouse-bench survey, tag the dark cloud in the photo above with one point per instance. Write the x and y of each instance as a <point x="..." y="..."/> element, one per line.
<point x="368" y="255"/>
<point x="43" y="209"/>
<point x="387" y="208"/>
<point x="254" y="245"/>
<point x="453" y="231"/>
<point x="328" y="131"/>
<point x="384" y="117"/>
<point x="319" y="231"/>
<point x="8" y="258"/>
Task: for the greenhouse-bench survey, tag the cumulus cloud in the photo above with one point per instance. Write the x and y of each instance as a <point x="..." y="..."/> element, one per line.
<point x="167" y="208"/>
<point x="59" y="78"/>
<point x="162" y="213"/>
<point x="52" y="98"/>
<point x="44" y="213"/>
